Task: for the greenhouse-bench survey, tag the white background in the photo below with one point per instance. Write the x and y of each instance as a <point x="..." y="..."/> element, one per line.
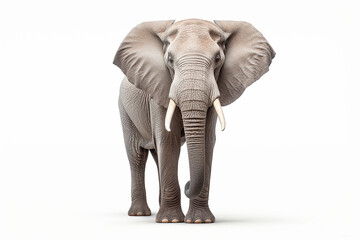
<point x="286" y="167"/>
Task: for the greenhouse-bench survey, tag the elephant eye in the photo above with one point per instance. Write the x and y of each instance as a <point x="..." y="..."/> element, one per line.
<point x="217" y="57"/>
<point x="170" y="59"/>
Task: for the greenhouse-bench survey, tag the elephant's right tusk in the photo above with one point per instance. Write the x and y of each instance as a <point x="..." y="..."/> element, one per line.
<point x="220" y="113"/>
<point x="169" y="114"/>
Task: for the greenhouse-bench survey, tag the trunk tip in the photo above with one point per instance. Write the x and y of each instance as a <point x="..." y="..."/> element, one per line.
<point x="187" y="188"/>
<point x="192" y="194"/>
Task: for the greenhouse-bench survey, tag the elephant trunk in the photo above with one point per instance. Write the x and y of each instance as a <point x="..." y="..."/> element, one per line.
<point x="194" y="119"/>
<point x="194" y="89"/>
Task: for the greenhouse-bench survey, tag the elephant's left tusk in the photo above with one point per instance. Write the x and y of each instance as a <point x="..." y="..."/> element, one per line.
<point x="220" y="113"/>
<point x="169" y="114"/>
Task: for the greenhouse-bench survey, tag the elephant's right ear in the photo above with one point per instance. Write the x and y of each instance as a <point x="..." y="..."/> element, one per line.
<point x="141" y="58"/>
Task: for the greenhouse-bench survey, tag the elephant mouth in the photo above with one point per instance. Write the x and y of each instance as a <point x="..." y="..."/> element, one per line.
<point x="172" y="106"/>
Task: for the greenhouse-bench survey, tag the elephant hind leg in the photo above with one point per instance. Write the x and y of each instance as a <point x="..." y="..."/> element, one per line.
<point x="137" y="158"/>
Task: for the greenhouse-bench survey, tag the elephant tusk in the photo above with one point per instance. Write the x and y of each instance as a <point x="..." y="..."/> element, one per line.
<point x="220" y="113"/>
<point x="169" y="114"/>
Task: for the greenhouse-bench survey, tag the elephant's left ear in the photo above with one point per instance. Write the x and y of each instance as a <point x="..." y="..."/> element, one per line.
<point x="141" y="58"/>
<point x="247" y="57"/>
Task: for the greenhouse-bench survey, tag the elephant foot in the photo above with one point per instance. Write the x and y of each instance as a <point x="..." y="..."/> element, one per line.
<point x="139" y="207"/>
<point x="170" y="215"/>
<point x="199" y="215"/>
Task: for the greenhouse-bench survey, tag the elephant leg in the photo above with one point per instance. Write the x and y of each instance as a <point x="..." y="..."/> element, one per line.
<point x="137" y="158"/>
<point x="156" y="159"/>
<point x="170" y="194"/>
<point x="199" y="211"/>
<point x="167" y="151"/>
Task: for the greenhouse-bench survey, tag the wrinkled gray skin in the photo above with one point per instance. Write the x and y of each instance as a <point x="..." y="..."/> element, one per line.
<point x="193" y="62"/>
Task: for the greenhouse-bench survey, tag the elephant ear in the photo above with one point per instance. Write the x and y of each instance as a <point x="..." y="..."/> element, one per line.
<point x="247" y="57"/>
<point x="141" y="58"/>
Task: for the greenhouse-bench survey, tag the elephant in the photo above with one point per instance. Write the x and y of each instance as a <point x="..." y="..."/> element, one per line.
<point x="178" y="75"/>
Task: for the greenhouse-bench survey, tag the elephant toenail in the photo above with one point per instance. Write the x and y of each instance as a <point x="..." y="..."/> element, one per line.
<point x="188" y="221"/>
<point x="148" y="214"/>
<point x="132" y="214"/>
<point x="165" y="220"/>
<point x="198" y="221"/>
<point x="139" y="214"/>
<point x="208" y="221"/>
<point x="175" y="221"/>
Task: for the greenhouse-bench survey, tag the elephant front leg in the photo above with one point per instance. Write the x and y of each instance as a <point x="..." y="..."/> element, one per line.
<point x="170" y="200"/>
<point x="199" y="211"/>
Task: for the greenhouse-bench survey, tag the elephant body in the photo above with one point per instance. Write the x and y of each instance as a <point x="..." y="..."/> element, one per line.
<point x="176" y="76"/>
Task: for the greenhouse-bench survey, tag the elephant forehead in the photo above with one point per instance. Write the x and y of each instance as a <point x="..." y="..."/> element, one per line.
<point x="193" y="38"/>
<point x="193" y="31"/>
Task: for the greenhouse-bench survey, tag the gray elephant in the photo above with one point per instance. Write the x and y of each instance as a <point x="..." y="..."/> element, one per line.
<point x="177" y="73"/>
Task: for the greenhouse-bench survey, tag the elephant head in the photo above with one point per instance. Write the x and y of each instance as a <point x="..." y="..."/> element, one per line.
<point x="194" y="64"/>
